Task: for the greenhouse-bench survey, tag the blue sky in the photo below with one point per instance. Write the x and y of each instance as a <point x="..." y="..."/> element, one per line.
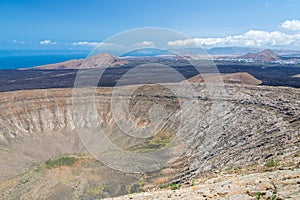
<point x="65" y="23"/>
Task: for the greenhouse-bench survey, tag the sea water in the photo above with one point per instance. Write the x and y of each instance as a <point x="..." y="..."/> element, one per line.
<point x="15" y="59"/>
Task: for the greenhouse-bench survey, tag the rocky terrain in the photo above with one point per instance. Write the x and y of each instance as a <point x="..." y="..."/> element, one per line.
<point x="277" y="184"/>
<point x="251" y="125"/>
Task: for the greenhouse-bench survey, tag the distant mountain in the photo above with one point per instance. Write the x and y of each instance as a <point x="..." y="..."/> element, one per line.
<point x="217" y="51"/>
<point x="288" y="53"/>
<point x="239" y="78"/>
<point x="97" y="61"/>
<point x="147" y="52"/>
<point x="231" y="50"/>
<point x="263" y="56"/>
<point x="189" y="51"/>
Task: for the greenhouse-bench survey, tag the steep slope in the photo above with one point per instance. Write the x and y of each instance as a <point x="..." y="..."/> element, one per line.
<point x="100" y="60"/>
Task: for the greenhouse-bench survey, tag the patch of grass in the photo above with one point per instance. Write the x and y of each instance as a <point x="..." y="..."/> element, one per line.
<point x="162" y="139"/>
<point x="128" y="189"/>
<point x="238" y="169"/>
<point x="25" y="180"/>
<point x="229" y="168"/>
<point x="38" y="169"/>
<point x="259" y="195"/>
<point x="140" y="183"/>
<point x="271" y="163"/>
<point x="175" y="186"/>
<point x="274" y="197"/>
<point x="69" y="180"/>
<point x="193" y="182"/>
<point x="98" y="190"/>
<point x="164" y="186"/>
<point x="172" y="186"/>
<point x="148" y="147"/>
<point x="59" y="162"/>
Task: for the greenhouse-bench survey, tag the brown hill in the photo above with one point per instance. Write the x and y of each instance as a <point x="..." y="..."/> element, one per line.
<point x="263" y="56"/>
<point x="70" y="64"/>
<point x="97" y="61"/>
<point x="240" y="78"/>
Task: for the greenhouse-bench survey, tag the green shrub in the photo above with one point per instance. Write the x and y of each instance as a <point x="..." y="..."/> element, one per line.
<point x="58" y="162"/>
<point x="271" y="163"/>
<point x="25" y="180"/>
<point x="161" y="140"/>
<point x="259" y="195"/>
<point x="172" y="186"/>
<point x="175" y="186"/>
<point x="274" y="197"/>
<point x="98" y="190"/>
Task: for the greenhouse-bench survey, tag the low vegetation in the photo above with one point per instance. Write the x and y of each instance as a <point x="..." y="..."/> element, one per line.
<point x="98" y="190"/>
<point x="161" y="140"/>
<point x="259" y="195"/>
<point x="172" y="186"/>
<point x="271" y="163"/>
<point x="59" y="162"/>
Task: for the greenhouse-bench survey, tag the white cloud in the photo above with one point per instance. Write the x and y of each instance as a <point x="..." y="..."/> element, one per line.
<point x="250" y="38"/>
<point x="18" y="42"/>
<point x="93" y="44"/>
<point x="47" y="42"/>
<point x="144" y="44"/>
<point x="291" y="25"/>
<point x="291" y="3"/>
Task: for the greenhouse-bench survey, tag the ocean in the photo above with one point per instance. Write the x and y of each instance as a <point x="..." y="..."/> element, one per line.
<point x="15" y="59"/>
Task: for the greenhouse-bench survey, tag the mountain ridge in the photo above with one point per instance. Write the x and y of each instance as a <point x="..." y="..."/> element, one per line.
<point x="100" y="60"/>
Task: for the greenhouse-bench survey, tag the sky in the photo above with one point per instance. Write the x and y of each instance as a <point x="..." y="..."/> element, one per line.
<point x="75" y="24"/>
